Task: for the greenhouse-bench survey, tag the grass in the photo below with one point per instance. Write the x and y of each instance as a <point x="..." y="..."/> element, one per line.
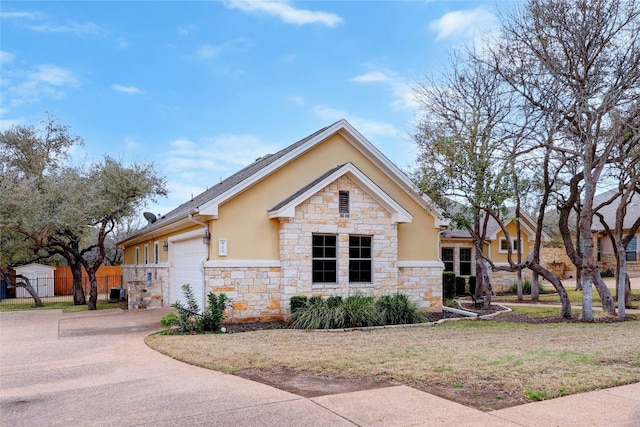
<point x="534" y="361"/>
<point x="552" y="298"/>
<point x="65" y="306"/>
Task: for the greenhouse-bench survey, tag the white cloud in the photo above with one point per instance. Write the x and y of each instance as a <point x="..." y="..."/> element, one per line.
<point x="371" y="77"/>
<point x="400" y="90"/>
<point x="369" y="128"/>
<point x="186" y="30"/>
<point x="20" y="15"/>
<point x="295" y="100"/>
<point x="123" y="43"/>
<point x="126" y="89"/>
<point x="42" y="26"/>
<point x="463" y="23"/>
<point x="6" y="57"/>
<point x="42" y="81"/>
<point x="208" y="51"/>
<point x="286" y="12"/>
<point x="131" y="143"/>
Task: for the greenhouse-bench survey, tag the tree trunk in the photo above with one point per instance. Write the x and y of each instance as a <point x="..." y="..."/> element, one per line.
<point x="535" y="288"/>
<point x="78" y="291"/>
<point x="20" y="281"/>
<point x="608" y="304"/>
<point x="93" y="292"/>
<point x="562" y="293"/>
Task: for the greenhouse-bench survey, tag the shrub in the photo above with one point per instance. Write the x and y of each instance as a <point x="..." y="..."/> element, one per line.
<point x="188" y="319"/>
<point x="460" y="285"/>
<point x="398" y="310"/>
<point x="298" y="302"/>
<point x="360" y="311"/>
<point x="526" y="287"/>
<point x="607" y="273"/>
<point x="472" y="285"/>
<point x="212" y="317"/>
<point x="449" y="284"/>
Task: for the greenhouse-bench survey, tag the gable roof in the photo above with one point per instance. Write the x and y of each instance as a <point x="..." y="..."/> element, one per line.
<point x="286" y="208"/>
<point x="609" y="211"/>
<point x="208" y="202"/>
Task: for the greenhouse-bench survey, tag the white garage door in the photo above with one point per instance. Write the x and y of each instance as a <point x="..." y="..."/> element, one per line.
<point x="187" y="258"/>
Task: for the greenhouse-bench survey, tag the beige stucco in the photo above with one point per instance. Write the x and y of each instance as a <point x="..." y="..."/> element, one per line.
<point x="244" y="221"/>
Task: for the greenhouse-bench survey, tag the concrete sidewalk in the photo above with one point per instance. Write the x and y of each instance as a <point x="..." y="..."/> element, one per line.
<point x="88" y="369"/>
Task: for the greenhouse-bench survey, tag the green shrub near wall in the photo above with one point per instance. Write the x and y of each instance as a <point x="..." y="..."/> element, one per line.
<point x="449" y="284"/>
<point x="460" y="285"/>
<point x="472" y="285"/>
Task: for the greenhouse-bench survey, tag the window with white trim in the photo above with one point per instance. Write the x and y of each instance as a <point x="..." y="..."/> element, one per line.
<point x="156" y="252"/>
<point x="146" y="254"/>
<point x="324" y="258"/>
<point x="631" y="249"/>
<point x="465" y="262"/>
<point x="447" y="259"/>
<point x="137" y="255"/>
<point x="359" y="258"/>
<point x="504" y="246"/>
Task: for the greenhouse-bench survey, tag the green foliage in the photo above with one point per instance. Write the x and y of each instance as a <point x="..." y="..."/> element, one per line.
<point x="472" y="285"/>
<point x="298" y="302"/>
<point x="398" y="310"/>
<point x="212" y="317"/>
<point x="449" y="284"/>
<point x="526" y="288"/>
<point x="536" y="395"/>
<point x="607" y="273"/>
<point x="355" y="311"/>
<point x="188" y="319"/>
<point x="460" y="285"/>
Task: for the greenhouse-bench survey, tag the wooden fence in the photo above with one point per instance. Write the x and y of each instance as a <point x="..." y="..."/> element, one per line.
<point x="106" y="276"/>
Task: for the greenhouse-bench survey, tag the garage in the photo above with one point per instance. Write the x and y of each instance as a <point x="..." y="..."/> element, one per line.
<point x="188" y="256"/>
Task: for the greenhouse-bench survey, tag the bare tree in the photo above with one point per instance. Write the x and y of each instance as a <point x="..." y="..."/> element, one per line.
<point x="581" y="60"/>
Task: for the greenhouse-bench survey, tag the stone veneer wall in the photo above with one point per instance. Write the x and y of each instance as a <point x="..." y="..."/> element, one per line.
<point x="143" y="293"/>
<point x="423" y="285"/>
<point x="254" y="292"/>
<point x="501" y="281"/>
<point x="319" y="214"/>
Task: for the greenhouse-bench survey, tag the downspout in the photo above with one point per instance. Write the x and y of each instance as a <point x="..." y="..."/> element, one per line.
<point x="203" y="260"/>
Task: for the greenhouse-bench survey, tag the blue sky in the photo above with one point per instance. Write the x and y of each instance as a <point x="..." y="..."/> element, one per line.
<point x="203" y="88"/>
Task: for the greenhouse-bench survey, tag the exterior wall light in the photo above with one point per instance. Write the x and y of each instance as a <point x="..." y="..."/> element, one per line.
<point x="207" y="237"/>
<point x="165" y="246"/>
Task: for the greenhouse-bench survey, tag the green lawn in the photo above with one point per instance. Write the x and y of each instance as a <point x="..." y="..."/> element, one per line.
<point x="66" y="306"/>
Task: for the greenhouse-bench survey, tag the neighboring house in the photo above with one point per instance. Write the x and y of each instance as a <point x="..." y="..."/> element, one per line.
<point x="458" y="252"/>
<point x="603" y="247"/>
<point x="328" y="215"/>
<point x="40" y="277"/>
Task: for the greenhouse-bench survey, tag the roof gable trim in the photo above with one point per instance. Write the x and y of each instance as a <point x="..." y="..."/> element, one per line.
<point x="398" y="213"/>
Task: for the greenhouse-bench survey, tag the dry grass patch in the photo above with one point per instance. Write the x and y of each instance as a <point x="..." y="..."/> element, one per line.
<point x="525" y="361"/>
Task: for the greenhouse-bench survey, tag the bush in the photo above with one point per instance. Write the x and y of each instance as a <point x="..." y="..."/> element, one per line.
<point x="298" y="302"/>
<point x="449" y="284"/>
<point x="472" y="285"/>
<point x="460" y="285"/>
<point x="398" y="310"/>
<point x="526" y="288"/>
<point x="187" y="319"/>
<point x="607" y="273"/>
<point x="355" y="311"/>
<point x="212" y="317"/>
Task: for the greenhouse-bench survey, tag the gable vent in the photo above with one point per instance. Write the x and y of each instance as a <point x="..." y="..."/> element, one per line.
<point x="343" y="204"/>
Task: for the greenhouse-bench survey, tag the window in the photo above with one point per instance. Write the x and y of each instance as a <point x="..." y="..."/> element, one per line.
<point x="447" y="258"/>
<point x="504" y="246"/>
<point x="156" y="252"/>
<point x="465" y="261"/>
<point x="632" y="249"/>
<point x="343" y="204"/>
<point x="359" y="258"/>
<point x="146" y="254"/>
<point x="137" y="255"/>
<point x="324" y="258"/>
<point x="599" y="249"/>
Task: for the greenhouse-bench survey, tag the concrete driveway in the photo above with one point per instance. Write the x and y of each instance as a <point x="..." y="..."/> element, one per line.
<point x="93" y="368"/>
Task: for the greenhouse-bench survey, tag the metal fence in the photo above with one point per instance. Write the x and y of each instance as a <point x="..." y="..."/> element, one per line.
<point x="59" y="289"/>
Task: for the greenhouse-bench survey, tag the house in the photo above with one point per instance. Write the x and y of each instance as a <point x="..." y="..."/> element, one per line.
<point x="603" y="246"/>
<point x="458" y="251"/>
<point x="327" y="215"/>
